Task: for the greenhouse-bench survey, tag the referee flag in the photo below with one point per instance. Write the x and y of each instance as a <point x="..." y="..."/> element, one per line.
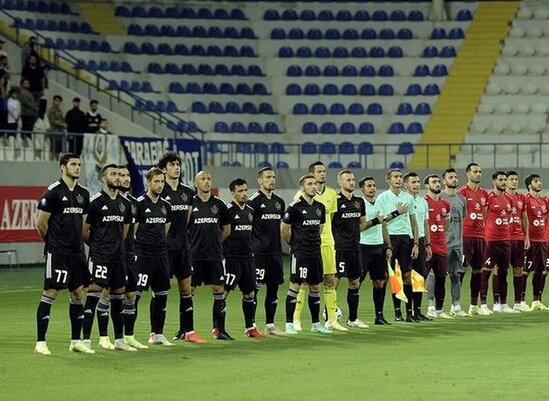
<point x="418" y="282"/>
<point x="395" y="281"/>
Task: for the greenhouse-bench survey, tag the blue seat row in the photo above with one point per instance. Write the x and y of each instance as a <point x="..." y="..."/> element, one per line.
<point x="159" y="106"/>
<point x="224" y="88"/>
<point x="133" y="86"/>
<point x="232" y="107"/>
<point x="258" y="147"/>
<point x="336" y="34"/>
<point x="384" y="70"/>
<point x="183" y="50"/>
<point x="205" y="69"/>
<point x="52" y="7"/>
<point x="331" y="128"/>
<point x="184" y="31"/>
<point x="81" y="45"/>
<point x="363" y="148"/>
<point x="113" y="66"/>
<point x="446" y="52"/>
<point x="238" y="127"/>
<point x="340" y="52"/>
<point x="365" y="90"/>
<point x="438" y="70"/>
<point x="338" y="108"/>
<point x="342" y="15"/>
<point x="183" y="126"/>
<point x="174" y="12"/>
<point x="440" y="33"/>
<point x="53" y="25"/>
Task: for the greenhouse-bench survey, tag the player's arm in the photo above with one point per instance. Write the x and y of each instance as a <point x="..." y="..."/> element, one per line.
<point x="286" y="231"/>
<point x="427" y="231"/>
<point x="415" y="248"/>
<point x="42" y="223"/>
<point x="86" y="230"/>
<point x="321" y="227"/>
<point x="167" y="226"/>
<point x="365" y="224"/>
<point x="386" y="241"/>
<point x="400" y="209"/>
<point x="225" y="232"/>
<point x="125" y="230"/>
<point x="526" y="230"/>
<point x="135" y="227"/>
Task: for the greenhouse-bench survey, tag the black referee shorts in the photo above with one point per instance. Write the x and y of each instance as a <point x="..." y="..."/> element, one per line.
<point x="373" y="262"/>
<point x="402" y="251"/>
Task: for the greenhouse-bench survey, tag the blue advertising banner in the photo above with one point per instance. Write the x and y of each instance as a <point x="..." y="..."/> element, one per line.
<point x="143" y="153"/>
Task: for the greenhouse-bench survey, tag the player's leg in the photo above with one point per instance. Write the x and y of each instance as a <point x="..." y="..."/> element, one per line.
<point x="455" y="268"/>
<point x="329" y="286"/>
<point x="296" y="279"/>
<point x="300" y="303"/>
<point x="160" y="284"/>
<point x="430" y="287"/>
<point x="117" y="282"/>
<point x="92" y="299"/>
<point x="342" y="263"/>
<point x="103" y="307"/>
<point x="420" y="266"/>
<point x="314" y="276"/>
<point x="272" y="274"/>
<point x="247" y="283"/>
<point x="78" y="277"/>
<point x="538" y="258"/>
<point x="440" y="268"/>
<point x="215" y="274"/>
<point x="129" y="305"/>
<point x="353" y="272"/>
<point x="474" y="250"/>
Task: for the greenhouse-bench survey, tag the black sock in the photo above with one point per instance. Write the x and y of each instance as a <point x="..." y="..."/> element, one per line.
<point x="186" y="314"/>
<point x="248" y="310"/>
<point x="43" y="317"/>
<point x="314" y="305"/>
<point x="255" y="302"/>
<point x="151" y="313"/>
<point x="89" y="313"/>
<point x="271" y="302"/>
<point x="159" y="315"/>
<point x="408" y="291"/>
<point x="440" y="292"/>
<point x="219" y="311"/>
<point x="116" y="315"/>
<point x="396" y="304"/>
<point x="76" y="314"/>
<point x="377" y="295"/>
<point x="291" y="300"/>
<point x="129" y="314"/>
<point x="417" y="297"/>
<point x="103" y="317"/>
<point x="352" y="302"/>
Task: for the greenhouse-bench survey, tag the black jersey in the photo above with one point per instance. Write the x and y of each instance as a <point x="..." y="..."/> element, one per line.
<point x="150" y="238"/>
<point x="266" y="226"/>
<point x="107" y="217"/>
<point x="180" y="199"/>
<point x="239" y="244"/>
<point x="305" y="220"/>
<point x="64" y="235"/>
<point x="205" y="224"/>
<point x="345" y="222"/>
<point x="129" y="243"/>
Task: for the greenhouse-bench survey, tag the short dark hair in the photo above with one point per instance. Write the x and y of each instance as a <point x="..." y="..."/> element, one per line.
<point x="497" y="173"/>
<point x="391" y="171"/>
<point x="426" y="180"/>
<point x="12" y="91"/>
<point x="23" y="80"/>
<point x="55" y="97"/>
<point x="93" y="101"/>
<point x="448" y="171"/>
<point x="470" y="166"/>
<point x="123" y="166"/>
<point x="108" y="166"/>
<point x="511" y="172"/>
<point x="364" y="179"/>
<point x="409" y="175"/>
<point x="168" y="157"/>
<point x="76" y="99"/>
<point x="262" y="170"/>
<point x="313" y="165"/>
<point x="236" y="183"/>
<point x="153" y="172"/>
<point x="528" y="180"/>
<point x="304" y="177"/>
<point x="64" y="159"/>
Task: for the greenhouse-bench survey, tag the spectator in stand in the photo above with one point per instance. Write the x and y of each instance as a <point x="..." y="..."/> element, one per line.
<point x="43" y="103"/>
<point x="93" y="116"/>
<point x="2" y="51"/>
<point x="77" y="123"/>
<point x="4" y="78"/>
<point x="14" y="112"/>
<point x="35" y="74"/>
<point x="104" y="127"/>
<point x="4" y="73"/>
<point x="28" y="49"/>
<point x="57" y="125"/>
<point x="29" y="108"/>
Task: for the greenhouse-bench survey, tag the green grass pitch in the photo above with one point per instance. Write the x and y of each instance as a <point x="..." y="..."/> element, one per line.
<point x="501" y="357"/>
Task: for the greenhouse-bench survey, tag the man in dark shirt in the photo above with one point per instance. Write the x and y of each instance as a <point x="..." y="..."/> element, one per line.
<point x="152" y="223"/>
<point x="180" y="197"/>
<point x="105" y="228"/>
<point x="237" y="248"/>
<point x="93" y="117"/>
<point x="59" y="223"/>
<point x="35" y="74"/>
<point x="300" y="228"/>
<point x="77" y="123"/>
<point x="209" y="226"/>
<point x="268" y="210"/>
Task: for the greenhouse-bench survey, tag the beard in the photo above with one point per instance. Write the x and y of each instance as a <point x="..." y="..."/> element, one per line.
<point x="436" y="191"/>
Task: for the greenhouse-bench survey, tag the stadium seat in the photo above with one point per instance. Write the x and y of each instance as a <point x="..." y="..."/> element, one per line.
<point x="346" y="148"/>
<point x="350" y="34"/>
<point x="168" y="30"/>
<point x="221" y="127"/>
<point x="362" y="15"/>
<point x="237" y="14"/>
<point x="238" y="70"/>
<point x="277" y="148"/>
<point x="231" y="32"/>
<point x="249" y="108"/>
<point x="397" y="128"/>
<point x="356" y="109"/>
<point x="354" y="165"/>
<point x="138" y="12"/>
<point x="327" y="148"/>
<point x="448" y="51"/>
<point x="456" y="33"/>
<point x="405" y="34"/>
<point x="368" y="34"/>
<point x="314" y="34"/>
<point x="319" y="109"/>
<point x="366" y="128"/>
<point x="340" y="52"/>
<point x="358" y="52"/>
<point x="204" y="13"/>
<point x="374" y="109"/>
<point x="308" y="148"/>
<point x="232" y="107"/>
<point x="300" y="109"/>
<point x="349" y="71"/>
<point x="266" y="108"/>
<point x="331" y="90"/>
<point x="430" y="52"/>
<point x="464" y="15"/>
<point x="259" y="89"/>
<point x="423" y="109"/>
<point x="422" y="70"/>
<point x="307" y="15"/>
<point x="215" y="107"/>
<point x="289" y="15"/>
<point x="414" y="128"/>
<point x="367" y="71"/>
<point x="347" y="128"/>
<point x="395" y="52"/>
<point x="438" y="33"/>
<point x="152" y="68"/>
<point x="271" y="15"/>
<point x="367" y="90"/>
<point x="215" y="32"/>
<point x="285" y="52"/>
<point x="193" y="87"/>
<point x="397" y="15"/>
<point x="221" y="13"/>
<point x="165" y="49"/>
<point x="278" y="34"/>
<point x="386" y="70"/>
<point x="255" y="128"/>
<point x="122" y="11"/>
<point x="404" y="109"/>
<point x="263" y="163"/>
<point x="337" y="108"/>
<point x="296" y="34"/>
<point x="335" y="165"/>
<point x="310" y="128"/>
<point x="431" y="90"/>
<point x="198" y="50"/>
<point x="303" y="52"/>
<point x="293" y="90"/>
<point x="396" y="165"/>
<point x="199" y="32"/>
<point x="247" y="33"/>
<point x="230" y="51"/>
<point x="343" y="15"/>
<point x="209" y="88"/>
<point x="205" y="69"/>
<point x="380" y="15"/>
<point x="405" y="148"/>
<point x="377" y="52"/>
<point x="325" y="15"/>
<point x="214" y="51"/>
<point x="439" y="70"/>
<point x="328" y="128"/>
<point x="332" y="34"/>
<point x="385" y="90"/>
<point x="415" y="15"/>
<point x="322" y="52"/>
<point x="281" y="165"/>
<point x="183" y="31"/>
<point x="349" y="90"/>
<point x="238" y="128"/>
<point x="271" y="128"/>
<point x="199" y="107"/>
<point x="365" y="148"/>
<point x="386" y="34"/>
<point x="312" y="90"/>
<point x="413" y="90"/>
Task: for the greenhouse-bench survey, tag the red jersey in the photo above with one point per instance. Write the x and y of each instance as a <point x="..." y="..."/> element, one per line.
<point x="547" y="225"/>
<point x="439" y="211"/>
<point x="515" y="221"/>
<point x="536" y="211"/>
<point x="473" y="223"/>
<point x="498" y="213"/>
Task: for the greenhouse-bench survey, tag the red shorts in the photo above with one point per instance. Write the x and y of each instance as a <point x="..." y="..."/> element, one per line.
<point x="474" y="250"/>
<point x="498" y="253"/>
<point x="439" y="264"/>
<point x="536" y="257"/>
<point x="517" y="253"/>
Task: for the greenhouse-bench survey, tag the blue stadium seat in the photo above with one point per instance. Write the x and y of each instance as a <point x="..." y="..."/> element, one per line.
<point x="438" y="33"/>
<point x="247" y="33"/>
<point x="385" y="90"/>
<point x="146" y="87"/>
<point x="271" y="15"/>
<point x="63" y="26"/>
<point x="226" y="89"/>
<point x="377" y="52"/>
<point x="312" y="90"/>
<point x="243" y="89"/>
<point x="278" y="34"/>
<point x="122" y="11"/>
<point x="349" y="90"/>
<point x="397" y="128"/>
<point x="198" y="50"/>
<point x="199" y="107"/>
<point x="405" y="148"/>
<point x="308" y="148"/>
<point x="161" y="106"/>
<point x="330" y="71"/>
<point x="303" y="52"/>
<point x="431" y="90"/>
<point x="300" y="109"/>
<point x="349" y="71"/>
<point x="171" y="107"/>
<point x="215" y="32"/>
<point x="327" y="148"/>
<point x="193" y="87"/>
<point x="374" y="109"/>
<point x="368" y="34"/>
<point x="264" y="163"/>
<point x="322" y="52"/>
<point x="367" y="71"/>
<point x="238" y="128"/>
<point x="347" y="128"/>
<point x="289" y="15"/>
<point x="255" y="128"/>
<point x="138" y="12"/>
<point x="165" y="49"/>
<point x="285" y="52"/>
<point x="293" y="90"/>
<point x="404" y="109"/>
<point x="168" y="30"/>
<point x="93" y="66"/>
<point x="259" y="89"/>
<point x="83" y="45"/>
<point x="430" y="51"/>
<point x="152" y="30"/>
<point x="231" y="32"/>
<point x="332" y="34"/>
<point x="414" y="128"/>
<point x="199" y="32"/>
<point x="386" y="70"/>
<point x="277" y="148"/>
<point x="314" y="34"/>
<point x="367" y="90"/>
<point x="335" y="165"/>
<point x="356" y="109"/>
<point x="325" y="15"/>
<point x="155" y="12"/>
<point x="456" y="33"/>
<point x="72" y="44"/>
<point x="413" y="90"/>
<point x="405" y="34"/>
<point x="366" y="128"/>
<point x="232" y="107"/>
<point x="188" y="13"/>
<point x="380" y="15"/>
<point x="395" y="52"/>
<point x="294" y="71"/>
<point x="464" y="15"/>
<point x="221" y="127"/>
<point x="337" y="108"/>
<point x="439" y="70"/>
<point x="237" y="14"/>
<point x="423" y="109"/>
<point x="214" y="51"/>
<point x="350" y="34"/>
<point x="205" y="69"/>
<point x="281" y="164"/>
<point x="330" y="90"/>
<point x="319" y="109"/>
<point x="221" y="13"/>
<point x="188" y="69"/>
<point x="204" y="13"/>
<point x="359" y="52"/>
<point x="172" y="12"/>
<point x="254" y="70"/>
<point x="346" y="148"/>
<point x="310" y="128"/>
<point x="74" y="26"/>
<point x="397" y="15"/>
<point x="152" y="68"/>
<point x="328" y="128"/>
<point x="354" y="165"/>
<point x="272" y="128"/>
<point x="51" y="25"/>
<point x="230" y="51"/>
<point x="448" y="51"/>
<point x="343" y="15"/>
<point x="184" y="31"/>
<point x="209" y="88"/>
<point x="176" y="87"/>
<point x="415" y="15"/>
<point x="340" y="52"/>
<point x="238" y="70"/>
<point x="362" y="15"/>
<point x="148" y="48"/>
<point x="249" y="108"/>
<point x="104" y="47"/>
<point x="296" y="34"/>
<point x="422" y="70"/>
<point x="396" y="165"/>
<point x="215" y="107"/>
<point x="386" y="34"/>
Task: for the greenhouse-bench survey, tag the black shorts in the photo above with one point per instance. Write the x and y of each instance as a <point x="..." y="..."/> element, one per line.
<point x="208" y="272"/>
<point x="402" y="251"/>
<point x="180" y="264"/>
<point x="536" y="257"/>
<point x="474" y="249"/>
<point x="108" y="275"/>
<point x="349" y="264"/>
<point x="439" y="264"/>
<point x="240" y="272"/>
<point x="419" y="264"/>
<point x="498" y="253"/>
<point x="153" y="271"/>
<point x="306" y="270"/>
<point x="65" y="272"/>
<point x="374" y="262"/>
<point x="131" y="277"/>
<point x="269" y="269"/>
<point x="517" y="253"/>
